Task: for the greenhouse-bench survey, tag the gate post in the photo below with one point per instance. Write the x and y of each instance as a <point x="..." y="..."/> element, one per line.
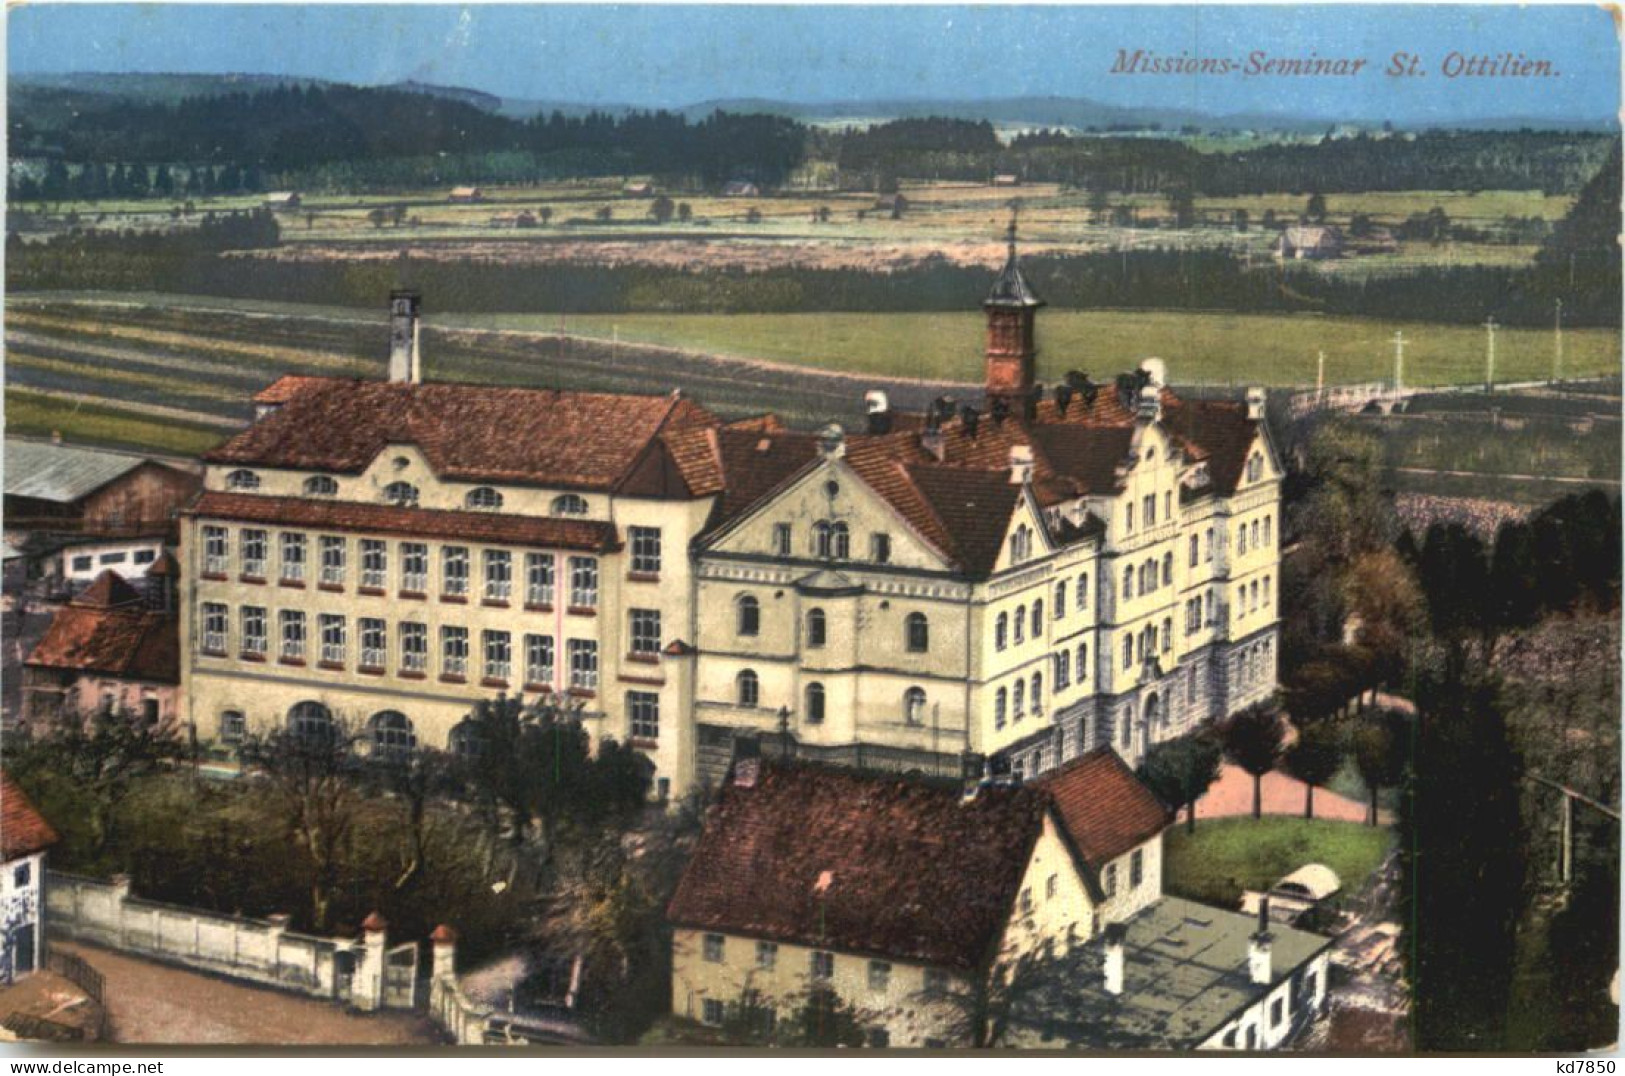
<point x="444" y="940"/>
<point x="368" y="992"/>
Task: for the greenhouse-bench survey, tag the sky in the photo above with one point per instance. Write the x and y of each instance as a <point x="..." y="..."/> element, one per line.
<point x="670" y="55"/>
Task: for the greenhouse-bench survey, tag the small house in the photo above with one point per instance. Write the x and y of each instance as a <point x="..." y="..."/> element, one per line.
<point x="1310" y="242"/>
<point x="25" y="836"/>
<point x="638" y="190"/>
<point x="466" y="195"/>
<point x="1007" y="179"/>
<point x="741" y="188"/>
<point x="283" y="200"/>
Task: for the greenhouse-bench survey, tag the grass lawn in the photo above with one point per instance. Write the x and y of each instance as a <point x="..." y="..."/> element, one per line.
<point x="1227" y="855"/>
<point x="37" y="414"/>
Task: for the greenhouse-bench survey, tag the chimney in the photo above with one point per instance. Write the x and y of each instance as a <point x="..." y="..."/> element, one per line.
<point x="1029" y="405"/>
<point x="1155" y="371"/>
<point x="934" y="443"/>
<point x="1259" y="969"/>
<point x="943" y="409"/>
<point x="405" y="361"/>
<point x="1001" y="410"/>
<point x="970" y="418"/>
<point x="1150" y="403"/>
<point x="1063" y="397"/>
<point x="1113" y="968"/>
<point x="832" y="441"/>
<point x="879" y="409"/>
<point x="1021" y="464"/>
<point x="1255" y="404"/>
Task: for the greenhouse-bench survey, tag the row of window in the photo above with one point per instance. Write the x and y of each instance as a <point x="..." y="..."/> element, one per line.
<point x="1015" y="626"/>
<point x="1148" y="576"/>
<point x="412" y="558"/>
<point x="85" y="563"/>
<point x="748" y="692"/>
<point x="821" y="965"/>
<point x="405" y="494"/>
<point x="748" y="622"/>
<point x="412" y="647"/>
<point x="1259" y="530"/>
<point x="830" y="540"/>
<point x="1148" y="510"/>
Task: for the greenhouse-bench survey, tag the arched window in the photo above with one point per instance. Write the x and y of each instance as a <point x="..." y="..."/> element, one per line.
<point x="1267" y="539"/>
<point x="748" y="689"/>
<point x="1001" y="702"/>
<point x="1038" y="618"/>
<point x="403" y="494"/>
<point x="1167" y="634"/>
<point x="321" y="486"/>
<point x="1083" y="592"/>
<point x="816" y="629"/>
<point x="750" y="615"/>
<point x="1196" y="551"/>
<point x="918" y="632"/>
<point x="1266" y="593"/>
<point x="1148" y="579"/>
<point x="391" y="735"/>
<point x="1167" y="569"/>
<point x="569" y="504"/>
<point x="233" y="727"/>
<point x="821" y="545"/>
<point x="1038" y="693"/>
<point x="1128" y="650"/>
<point x="466" y="740"/>
<point x="1021" y="623"/>
<point x="914" y="706"/>
<point x="244" y="480"/>
<point x="311" y="722"/>
<point x="1081" y="672"/>
<point x="1060" y="599"/>
<point x="1018" y="700"/>
<point x="1241" y="540"/>
<point x="841" y="538"/>
<point x="1256" y="525"/>
<point x="483" y="497"/>
<point x="1001" y="631"/>
<point x="1128" y="583"/>
<point x="815" y="704"/>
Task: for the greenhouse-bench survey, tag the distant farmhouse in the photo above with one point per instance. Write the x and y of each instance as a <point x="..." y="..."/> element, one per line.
<point x="1310" y="242"/>
<point x="1007" y="179"/>
<point x="638" y="190"/>
<point x="740" y="188"/>
<point x="466" y="195"/>
<point x="278" y="200"/>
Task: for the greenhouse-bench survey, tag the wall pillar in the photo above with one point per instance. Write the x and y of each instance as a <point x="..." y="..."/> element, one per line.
<point x="367" y="991"/>
<point x="120" y="894"/>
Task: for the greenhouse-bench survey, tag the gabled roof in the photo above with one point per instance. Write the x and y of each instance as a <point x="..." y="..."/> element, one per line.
<point x="108" y="630"/>
<point x="1105" y="809"/>
<point x="858" y="862"/>
<point x="23" y="831"/>
<point x="576" y="440"/>
<point x="62" y="474"/>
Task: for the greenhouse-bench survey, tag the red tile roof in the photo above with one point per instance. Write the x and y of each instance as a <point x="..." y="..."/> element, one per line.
<point x="1105" y="809"/>
<point x="486" y="433"/>
<point x="108" y="630"/>
<point x="914" y="871"/>
<point x="496" y="527"/>
<point x="23" y="832"/>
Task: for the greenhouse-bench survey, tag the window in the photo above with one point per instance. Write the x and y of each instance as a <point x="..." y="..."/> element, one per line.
<point x="454" y="652"/>
<point x="1060" y="599"/>
<point x="842" y="539"/>
<point x="815" y="704"/>
<point x="251" y="551"/>
<point x="1083" y="592"/>
<point x="1063" y="671"/>
<point x="252" y="618"/>
<point x="1128" y="517"/>
<point x="832" y="540"/>
<point x="1250" y="1039"/>
<point x="311" y="722"/>
<point x="1167" y="569"/>
<point x="214" y="628"/>
<point x="879" y="975"/>
<point x="242" y="480"/>
<point x="569" y="504"/>
<point x="321" y="486"/>
<point x="1277" y="1011"/>
<point x="391" y="736"/>
<point x="1136" y="869"/>
<point x="483" y="498"/>
<point x="914" y="706"/>
<point x="332" y="629"/>
<point x="214" y="550"/>
<point x="711" y="1011"/>
<point x="748" y="615"/>
<point x="767" y="955"/>
<point x="1038" y="618"/>
<point x="401" y="494"/>
<point x="332" y="553"/>
<point x="1021" y="544"/>
<point x="498" y="575"/>
<point x="936" y="982"/>
<point x="817" y="628"/>
<point x="583" y="583"/>
<point x="645" y="631"/>
<point x="1082" y="664"/>
<point x="1207" y="546"/>
<point x="1051" y="886"/>
<point x="918" y="633"/>
<point x="1000" y="704"/>
<point x="1266" y="593"/>
<point x="83" y="564"/>
<point x="645" y="549"/>
<point x="374" y="642"/>
<point x="1167" y="634"/>
<point x="292" y="623"/>
<point x="454" y="571"/>
<point x="414" y="567"/>
<point x="1128" y="650"/>
<point x="1021" y="623"/>
<point x="539" y="660"/>
<point x="539" y="580"/>
<point x="1001" y="631"/>
<point x="583" y="656"/>
<point x="1128" y="583"/>
<point x="374" y="563"/>
<point x="233" y="727"/>
<point x="1037" y="692"/>
<point x="781" y="539"/>
<point x="497" y="646"/>
<point x="1110" y="880"/>
<point x="880" y="548"/>
<point x="1254" y="535"/>
<point x="466" y="740"/>
<point x="414" y="648"/>
<point x="748" y="689"/>
<point x="144" y="556"/>
<point x="1026" y="900"/>
<point x="1267" y="539"/>
<point x="1018" y="701"/>
<point x="822" y="966"/>
<point x="1241" y="540"/>
<point x="643" y="708"/>
<point x="1167" y="504"/>
<point x="1148" y="509"/>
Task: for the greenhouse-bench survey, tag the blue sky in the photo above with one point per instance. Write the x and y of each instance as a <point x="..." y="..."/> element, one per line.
<point x="674" y="55"/>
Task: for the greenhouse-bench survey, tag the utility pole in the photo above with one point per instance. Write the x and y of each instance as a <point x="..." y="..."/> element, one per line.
<point x="1320" y="378"/>
<point x="1399" y="362"/>
<point x="1489" y="357"/>
<point x="1557" y="357"/>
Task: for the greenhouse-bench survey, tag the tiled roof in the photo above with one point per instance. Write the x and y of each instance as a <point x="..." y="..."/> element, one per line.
<point x="1221" y="431"/>
<point x="861" y="863"/>
<point x="974" y="507"/>
<point x="1106" y="810"/>
<point x="495" y="527"/>
<point x="23" y="831"/>
<point x="106" y="629"/>
<point x="579" y="440"/>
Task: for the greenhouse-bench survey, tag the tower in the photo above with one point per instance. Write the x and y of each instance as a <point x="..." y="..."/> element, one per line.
<point x="1011" y="309"/>
<point x="405" y="363"/>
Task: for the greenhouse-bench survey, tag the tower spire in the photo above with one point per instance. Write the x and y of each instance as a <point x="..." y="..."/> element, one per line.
<point x="1011" y="307"/>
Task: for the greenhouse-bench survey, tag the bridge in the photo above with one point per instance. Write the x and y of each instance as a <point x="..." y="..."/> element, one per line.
<point x="1381" y="396"/>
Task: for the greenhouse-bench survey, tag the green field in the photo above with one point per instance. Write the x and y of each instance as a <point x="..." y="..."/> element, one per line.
<point x="1199" y="348"/>
<point x="32" y="414"/>
<point x="1226" y="855"/>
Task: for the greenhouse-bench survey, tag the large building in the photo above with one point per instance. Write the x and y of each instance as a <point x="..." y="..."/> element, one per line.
<point x="1010" y="584"/>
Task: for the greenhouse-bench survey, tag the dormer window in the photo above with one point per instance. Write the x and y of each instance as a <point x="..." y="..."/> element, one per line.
<point x="483" y="498"/>
<point x="321" y="486"/>
<point x="569" y="504"/>
<point x="401" y="494"/>
<point x="243" y="480"/>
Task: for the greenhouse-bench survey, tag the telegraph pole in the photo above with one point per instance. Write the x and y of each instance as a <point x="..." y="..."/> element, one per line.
<point x="1557" y="356"/>
<point x="1320" y="378"/>
<point x="1399" y="362"/>
<point x="1489" y="357"/>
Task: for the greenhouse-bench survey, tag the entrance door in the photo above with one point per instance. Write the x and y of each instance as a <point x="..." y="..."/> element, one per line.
<point x="343" y="974"/>
<point x="22" y="949"/>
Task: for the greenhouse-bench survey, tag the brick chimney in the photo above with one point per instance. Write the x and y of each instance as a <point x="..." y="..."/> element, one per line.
<point x="405" y="361"/>
<point x="1113" y="967"/>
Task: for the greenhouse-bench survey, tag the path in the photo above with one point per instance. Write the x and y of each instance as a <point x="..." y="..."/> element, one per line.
<point x="1232" y="794"/>
<point x="159" y="1004"/>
